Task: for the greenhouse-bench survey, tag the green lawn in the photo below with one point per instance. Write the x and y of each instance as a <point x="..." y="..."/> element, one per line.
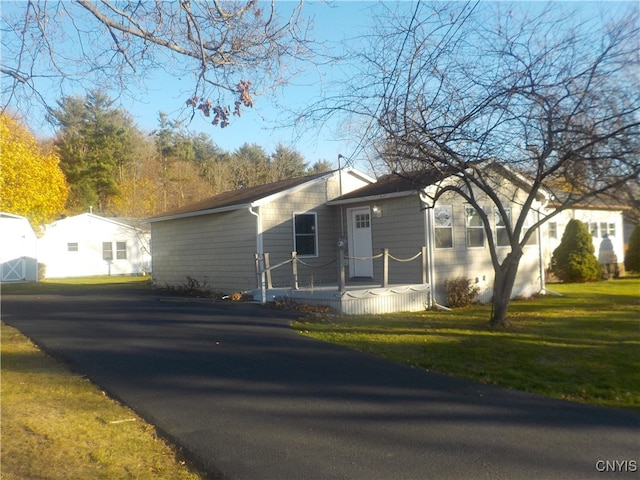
<point x="58" y="425"/>
<point x="58" y="285"/>
<point x="583" y="346"/>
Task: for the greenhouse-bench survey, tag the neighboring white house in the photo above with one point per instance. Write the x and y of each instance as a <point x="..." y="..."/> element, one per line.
<point x="604" y="222"/>
<point x="90" y="245"/>
<point x="18" y="249"/>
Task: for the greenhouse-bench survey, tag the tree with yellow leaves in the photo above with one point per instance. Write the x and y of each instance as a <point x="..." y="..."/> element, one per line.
<point x="31" y="181"/>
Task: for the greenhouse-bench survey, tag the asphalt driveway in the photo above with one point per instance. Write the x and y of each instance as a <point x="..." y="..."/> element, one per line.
<point x="248" y="398"/>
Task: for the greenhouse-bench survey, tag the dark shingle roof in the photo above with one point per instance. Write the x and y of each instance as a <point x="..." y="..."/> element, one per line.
<point x="240" y="197"/>
<point x="397" y="183"/>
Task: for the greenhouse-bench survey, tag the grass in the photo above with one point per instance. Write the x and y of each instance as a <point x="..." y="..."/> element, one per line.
<point x="583" y="346"/>
<point x="60" y="285"/>
<point x="57" y="425"/>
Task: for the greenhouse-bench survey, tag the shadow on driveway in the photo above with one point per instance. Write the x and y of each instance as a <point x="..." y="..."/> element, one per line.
<point x="249" y="398"/>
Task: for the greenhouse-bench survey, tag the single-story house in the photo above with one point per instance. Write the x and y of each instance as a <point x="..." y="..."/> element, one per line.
<point x="18" y="249"/>
<point x="605" y="222"/>
<point x="215" y="241"/>
<point x="91" y="245"/>
<point x="402" y="219"/>
<point x="385" y="235"/>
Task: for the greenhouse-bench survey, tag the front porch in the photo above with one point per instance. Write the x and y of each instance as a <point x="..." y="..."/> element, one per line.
<point x="353" y="296"/>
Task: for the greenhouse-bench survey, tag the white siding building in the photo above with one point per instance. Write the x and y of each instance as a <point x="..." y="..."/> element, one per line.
<point x="91" y="245"/>
<point x="18" y="249"/>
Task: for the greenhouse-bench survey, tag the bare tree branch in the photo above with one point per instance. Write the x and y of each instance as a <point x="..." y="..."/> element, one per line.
<point x="220" y="45"/>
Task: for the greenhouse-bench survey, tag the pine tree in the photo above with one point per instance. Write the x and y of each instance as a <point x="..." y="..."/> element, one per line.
<point x="574" y="260"/>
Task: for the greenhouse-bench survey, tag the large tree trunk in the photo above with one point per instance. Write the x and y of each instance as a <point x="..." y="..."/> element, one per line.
<point x="502" y="289"/>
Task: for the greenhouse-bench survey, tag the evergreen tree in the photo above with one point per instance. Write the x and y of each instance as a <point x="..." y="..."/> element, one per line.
<point x="574" y="260"/>
<point x="95" y="142"/>
<point x="632" y="257"/>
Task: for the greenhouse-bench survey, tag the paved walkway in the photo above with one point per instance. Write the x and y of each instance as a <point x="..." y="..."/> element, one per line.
<point x="248" y="398"/>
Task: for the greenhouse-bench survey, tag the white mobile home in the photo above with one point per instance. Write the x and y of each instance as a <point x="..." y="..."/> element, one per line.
<point x="91" y="245"/>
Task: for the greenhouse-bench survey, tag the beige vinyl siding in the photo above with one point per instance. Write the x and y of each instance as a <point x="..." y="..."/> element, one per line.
<point x="475" y="263"/>
<point x="277" y="224"/>
<point x="401" y="229"/>
<point x="217" y="248"/>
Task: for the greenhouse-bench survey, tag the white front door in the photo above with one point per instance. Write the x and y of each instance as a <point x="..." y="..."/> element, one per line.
<point x="360" y="243"/>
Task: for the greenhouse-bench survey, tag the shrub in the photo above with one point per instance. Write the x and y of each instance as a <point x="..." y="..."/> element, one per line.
<point x="574" y="260"/>
<point x="460" y="292"/>
<point x="632" y="257"/>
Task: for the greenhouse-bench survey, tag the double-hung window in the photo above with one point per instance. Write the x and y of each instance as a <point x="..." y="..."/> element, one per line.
<point x="107" y="251"/>
<point x="305" y="234"/>
<point x="121" y="250"/>
<point x="475" y="228"/>
<point x="608" y="229"/>
<point x="72" y="247"/>
<point x="443" y="226"/>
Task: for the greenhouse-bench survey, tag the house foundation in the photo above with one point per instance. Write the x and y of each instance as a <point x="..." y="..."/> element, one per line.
<point x="356" y="299"/>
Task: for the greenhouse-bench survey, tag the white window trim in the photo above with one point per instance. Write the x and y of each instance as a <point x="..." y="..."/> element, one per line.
<point x="450" y="227"/>
<point x="110" y="250"/>
<point x="118" y="250"/>
<point x="466" y="229"/>
<point x="293" y="221"/>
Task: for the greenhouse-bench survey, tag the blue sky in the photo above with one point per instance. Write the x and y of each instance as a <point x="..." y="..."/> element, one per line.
<point x="334" y="21"/>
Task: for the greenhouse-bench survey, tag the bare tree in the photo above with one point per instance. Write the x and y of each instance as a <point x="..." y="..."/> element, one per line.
<point x="226" y="51"/>
<point x="543" y="94"/>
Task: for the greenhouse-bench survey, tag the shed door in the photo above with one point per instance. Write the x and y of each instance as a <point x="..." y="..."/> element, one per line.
<point x="14" y="270"/>
<point x="360" y="243"/>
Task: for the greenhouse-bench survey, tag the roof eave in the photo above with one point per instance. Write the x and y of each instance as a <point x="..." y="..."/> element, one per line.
<point x="371" y="198"/>
<point x="199" y="213"/>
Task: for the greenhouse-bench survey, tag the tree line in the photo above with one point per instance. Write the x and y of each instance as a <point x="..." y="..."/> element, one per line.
<point x="115" y="168"/>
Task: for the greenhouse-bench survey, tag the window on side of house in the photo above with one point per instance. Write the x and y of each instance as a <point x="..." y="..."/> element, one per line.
<point x="443" y="226"/>
<point x="475" y="228"/>
<point x="121" y="250"/>
<point x="608" y="229"/>
<point x="502" y="235"/>
<point x="107" y="251"/>
<point x="305" y="234"/>
<point x="553" y="230"/>
<point x="72" y="247"/>
<point x="593" y="228"/>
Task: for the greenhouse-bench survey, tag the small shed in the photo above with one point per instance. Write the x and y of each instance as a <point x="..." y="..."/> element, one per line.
<point x="91" y="245"/>
<point x="18" y="249"/>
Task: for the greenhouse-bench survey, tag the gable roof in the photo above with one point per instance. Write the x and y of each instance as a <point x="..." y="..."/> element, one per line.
<point x="118" y="221"/>
<point x="393" y="185"/>
<point x="249" y="197"/>
<point x="412" y="183"/>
